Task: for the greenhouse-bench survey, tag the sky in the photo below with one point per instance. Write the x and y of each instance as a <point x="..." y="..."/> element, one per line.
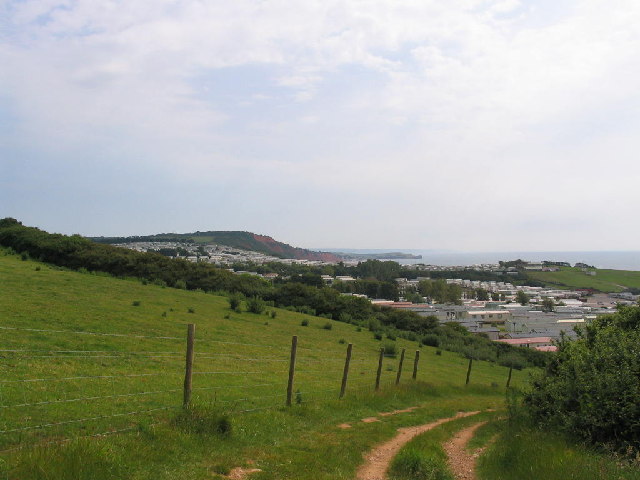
<point x="462" y="125"/>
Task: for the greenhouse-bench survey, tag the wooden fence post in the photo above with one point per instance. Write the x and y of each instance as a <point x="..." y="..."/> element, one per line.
<point x="292" y="368"/>
<point x="509" y="379"/>
<point x="191" y="333"/>
<point x="415" y="364"/>
<point x="345" y="374"/>
<point x="469" y="371"/>
<point x="400" y="367"/>
<point x="379" y="369"/>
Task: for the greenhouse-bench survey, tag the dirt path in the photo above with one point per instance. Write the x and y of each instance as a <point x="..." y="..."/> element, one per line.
<point x="378" y="460"/>
<point x="463" y="463"/>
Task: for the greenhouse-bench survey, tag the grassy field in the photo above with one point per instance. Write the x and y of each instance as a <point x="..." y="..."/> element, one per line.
<point x="85" y="356"/>
<point x="525" y="453"/>
<point x="604" y="280"/>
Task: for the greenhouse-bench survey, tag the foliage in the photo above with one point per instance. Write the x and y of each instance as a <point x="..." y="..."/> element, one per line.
<point x="591" y="388"/>
<point x="522" y="298"/>
<point x="439" y="291"/>
<point x="256" y="305"/>
<point x="482" y="294"/>
<point x="390" y="348"/>
<point x="235" y="301"/>
<point x="548" y="305"/>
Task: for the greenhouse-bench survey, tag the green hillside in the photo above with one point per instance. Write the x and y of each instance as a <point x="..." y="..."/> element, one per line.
<point x="90" y="356"/>
<point x="604" y="280"/>
<point x="236" y="239"/>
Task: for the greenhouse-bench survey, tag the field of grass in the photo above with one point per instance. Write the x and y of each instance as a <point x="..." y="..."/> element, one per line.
<point x="605" y="280"/>
<point x="525" y="453"/>
<point x="83" y="356"/>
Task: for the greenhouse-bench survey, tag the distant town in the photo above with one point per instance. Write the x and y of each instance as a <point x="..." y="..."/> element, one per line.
<point x="547" y="314"/>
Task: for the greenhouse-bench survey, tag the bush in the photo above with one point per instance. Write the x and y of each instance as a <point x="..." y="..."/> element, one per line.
<point x="431" y="340"/>
<point x="235" y="302"/>
<point x="255" y="305"/>
<point x="391" y="337"/>
<point x="377" y="336"/>
<point x="273" y="314"/>
<point x="191" y="310"/>
<point x="390" y="349"/>
<point x="181" y="284"/>
<point x="438" y="352"/>
<point x="328" y="326"/>
<point x="304" y="323"/>
<point x="342" y="341"/>
<point x="591" y="389"/>
<point x="136" y="303"/>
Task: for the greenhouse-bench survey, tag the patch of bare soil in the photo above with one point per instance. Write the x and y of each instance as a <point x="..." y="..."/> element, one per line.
<point x="239" y="473"/>
<point x="378" y="460"/>
<point x="344" y="426"/>
<point x="396" y="412"/>
<point x="370" y="419"/>
<point x="463" y="463"/>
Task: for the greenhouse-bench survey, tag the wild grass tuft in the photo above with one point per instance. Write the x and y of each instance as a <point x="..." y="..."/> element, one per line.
<point x="203" y="420"/>
<point x="412" y="464"/>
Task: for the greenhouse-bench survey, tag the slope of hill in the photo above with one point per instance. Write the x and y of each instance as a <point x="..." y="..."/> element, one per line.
<point x="237" y="239"/>
<point x="88" y="355"/>
<point x="604" y="280"/>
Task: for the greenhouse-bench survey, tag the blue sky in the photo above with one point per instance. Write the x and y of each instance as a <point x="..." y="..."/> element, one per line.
<point x="466" y="125"/>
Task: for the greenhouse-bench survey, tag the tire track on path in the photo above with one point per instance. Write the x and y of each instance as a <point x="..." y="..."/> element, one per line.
<point x="377" y="461"/>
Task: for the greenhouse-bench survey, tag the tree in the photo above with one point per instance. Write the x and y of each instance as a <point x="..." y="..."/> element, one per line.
<point x="522" y="298"/>
<point x="482" y="294"/>
<point x="548" y="305"/>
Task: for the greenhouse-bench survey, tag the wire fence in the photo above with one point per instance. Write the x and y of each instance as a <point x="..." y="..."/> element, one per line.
<point x="79" y="389"/>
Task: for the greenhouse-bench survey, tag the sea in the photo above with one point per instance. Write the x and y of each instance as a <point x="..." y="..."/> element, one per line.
<point x="616" y="260"/>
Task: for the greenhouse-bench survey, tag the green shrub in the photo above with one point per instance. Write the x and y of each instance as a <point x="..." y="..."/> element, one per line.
<point x="255" y="305"/>
<point x="342" y="341"/>
<point x="591" y="388"/>
<point x="327" y="326"/>
<point x="390" y="349"/>
<point x="136" y="303"/>
<point x="191" y="310"/>
<point x="181" y="284"/>
<point x="235" y="302"/>
<point x="304" y="323"/>
<point x="377" y="336"/>
<point x="273" y="314"/>
<point x="431" y="340"/>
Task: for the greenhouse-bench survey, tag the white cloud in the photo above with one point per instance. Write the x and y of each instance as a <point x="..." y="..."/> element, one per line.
<point x="471" y="105"/>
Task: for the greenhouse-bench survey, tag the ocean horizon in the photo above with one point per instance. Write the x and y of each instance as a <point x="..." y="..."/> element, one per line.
<point x="616" y="260"/>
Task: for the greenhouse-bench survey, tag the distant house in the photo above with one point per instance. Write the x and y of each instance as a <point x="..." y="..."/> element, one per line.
<point x="529" y="342"/>
<point x="345" y="278"/>
<point x="487" y="316"/>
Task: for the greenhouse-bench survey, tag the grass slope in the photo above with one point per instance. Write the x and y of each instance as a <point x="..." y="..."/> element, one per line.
<point x="525" y="453"/>
<point x="604" y="280"/>
<point x="126" y="371"/>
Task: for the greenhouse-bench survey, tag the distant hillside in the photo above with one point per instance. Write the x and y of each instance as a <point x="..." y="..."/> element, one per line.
<point x="243" y="240"/>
